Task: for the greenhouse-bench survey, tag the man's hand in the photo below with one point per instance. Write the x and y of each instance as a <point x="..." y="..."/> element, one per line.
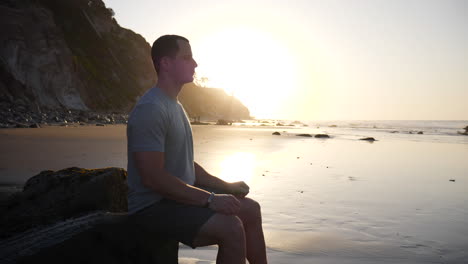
<point x="239" y="189"/>
<point x="225" y="204"/>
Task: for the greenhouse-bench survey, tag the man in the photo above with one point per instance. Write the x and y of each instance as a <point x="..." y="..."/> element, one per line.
<point x="162" y="173"/>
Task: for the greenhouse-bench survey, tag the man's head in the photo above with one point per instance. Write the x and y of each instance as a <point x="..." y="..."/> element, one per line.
<point x="172" y="56"/>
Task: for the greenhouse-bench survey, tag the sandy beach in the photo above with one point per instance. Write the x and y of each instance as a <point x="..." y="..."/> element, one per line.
<point x="401" y="199"/>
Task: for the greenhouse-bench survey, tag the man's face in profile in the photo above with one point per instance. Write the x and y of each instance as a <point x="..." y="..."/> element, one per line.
<point x="183" y="65"/>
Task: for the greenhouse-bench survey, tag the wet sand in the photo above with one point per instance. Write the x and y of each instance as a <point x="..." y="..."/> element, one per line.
<point x="337" y="200"/>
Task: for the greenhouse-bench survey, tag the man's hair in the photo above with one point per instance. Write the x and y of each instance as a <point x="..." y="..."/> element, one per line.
<point x="165" y="46"/>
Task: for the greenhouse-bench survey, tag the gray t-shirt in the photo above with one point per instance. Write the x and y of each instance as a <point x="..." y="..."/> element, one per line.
<point x="158" y="123"/>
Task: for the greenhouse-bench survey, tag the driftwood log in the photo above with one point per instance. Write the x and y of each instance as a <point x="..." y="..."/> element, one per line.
<point x="77" y="216"/>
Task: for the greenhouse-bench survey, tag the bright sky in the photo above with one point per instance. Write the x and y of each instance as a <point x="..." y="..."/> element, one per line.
<point x="322" y="60"/>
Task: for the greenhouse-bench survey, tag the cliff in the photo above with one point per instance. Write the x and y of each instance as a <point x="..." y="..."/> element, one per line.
<point x="211" y="103"/>
<point x="74" y="55"/>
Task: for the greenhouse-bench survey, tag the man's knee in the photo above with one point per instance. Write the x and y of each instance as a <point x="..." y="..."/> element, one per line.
<point x="251" y="210"/>
<point x="254" y="207"/>
<point x="233" y="228"/>
<point x="221" y="229"/>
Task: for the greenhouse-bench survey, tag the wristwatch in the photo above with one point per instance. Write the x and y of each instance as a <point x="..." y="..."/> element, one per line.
<point x="208" y="202"/>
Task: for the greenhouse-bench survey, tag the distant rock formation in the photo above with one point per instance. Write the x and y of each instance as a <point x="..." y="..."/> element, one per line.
<point x="73" y="55"/>
<point x="211" y="103"/>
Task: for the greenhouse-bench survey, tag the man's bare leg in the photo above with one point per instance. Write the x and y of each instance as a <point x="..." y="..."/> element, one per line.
<point x="227" y="231"/>
<point x="251" y="217"/>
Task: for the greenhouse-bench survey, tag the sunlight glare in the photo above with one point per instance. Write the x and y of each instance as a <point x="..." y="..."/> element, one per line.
<point x="239" y="166"/>
<point x="249" y="64"/>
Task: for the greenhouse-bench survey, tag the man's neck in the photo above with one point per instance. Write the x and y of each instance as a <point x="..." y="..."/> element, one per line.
<point x="169" y="87"/>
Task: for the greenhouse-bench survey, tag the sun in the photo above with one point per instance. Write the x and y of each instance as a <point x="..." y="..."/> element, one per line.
<point x="249" y="64"/>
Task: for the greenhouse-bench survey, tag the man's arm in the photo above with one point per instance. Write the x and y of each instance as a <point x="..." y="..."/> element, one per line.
<point x="150" y="166"/>
<point x="203" y="178"/>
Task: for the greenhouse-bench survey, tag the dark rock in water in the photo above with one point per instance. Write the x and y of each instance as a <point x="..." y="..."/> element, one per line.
<point x="100" y="124"/>
<point x="452" y="180"/>
<point x="371" y="139"/>
<point x="464" y="133"/>
<point x="276" y="133"/>
<point x="322" y="136"/>
<point x="420" y="132"/>
<point x="63" y="217"/>
<point x="304" y="135"/>
<point x="36" y="125"/>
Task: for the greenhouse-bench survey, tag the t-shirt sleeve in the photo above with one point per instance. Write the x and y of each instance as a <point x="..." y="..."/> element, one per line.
<point x="147" y="128"/>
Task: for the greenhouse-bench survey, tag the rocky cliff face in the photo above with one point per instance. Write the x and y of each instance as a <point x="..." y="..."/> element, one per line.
<point x="70" y="54"/>
<point x="73" y="55"/>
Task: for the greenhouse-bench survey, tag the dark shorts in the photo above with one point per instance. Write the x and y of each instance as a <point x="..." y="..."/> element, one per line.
<point x="173" y="220"/>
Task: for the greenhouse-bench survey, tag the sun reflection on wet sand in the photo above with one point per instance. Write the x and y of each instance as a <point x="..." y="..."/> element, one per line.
<point x="238" y="166"/>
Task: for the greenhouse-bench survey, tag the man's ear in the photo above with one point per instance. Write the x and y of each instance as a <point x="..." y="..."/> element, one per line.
<point x="164" y="63"/>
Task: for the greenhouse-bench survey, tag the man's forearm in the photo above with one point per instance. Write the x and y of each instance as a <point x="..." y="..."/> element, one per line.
<point x="173" y="188"/>
<point x="154" y="176"/>
<point x="203" y="178"/>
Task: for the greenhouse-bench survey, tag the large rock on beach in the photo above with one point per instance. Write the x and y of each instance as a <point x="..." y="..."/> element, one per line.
<point x="77" y="215"/>
<point x="53" y="196"/>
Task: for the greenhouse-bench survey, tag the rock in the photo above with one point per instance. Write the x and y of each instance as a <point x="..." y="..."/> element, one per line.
<point x="36" y="125"/>
<point x="371" y="139"/>
<point x="322" y="136"/>
<point x="55" y="196"/>
<point x="420" y="133"/>
<point x="464" y="133"/>
<point x="77" y="215"/>
<point x="21" y="125"/>
<point x="304" y="135"/>
<point x="99" y="124"/>
<point x="276" y="134"/>
<point x="113" y="239"/>
<point x="224" y="122"/>
<point x="452" y="180"/>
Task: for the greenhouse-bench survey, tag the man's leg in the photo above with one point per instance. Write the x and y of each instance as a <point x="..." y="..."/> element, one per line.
<point x="251" y="217"/>
<point x="227" y="231"/>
